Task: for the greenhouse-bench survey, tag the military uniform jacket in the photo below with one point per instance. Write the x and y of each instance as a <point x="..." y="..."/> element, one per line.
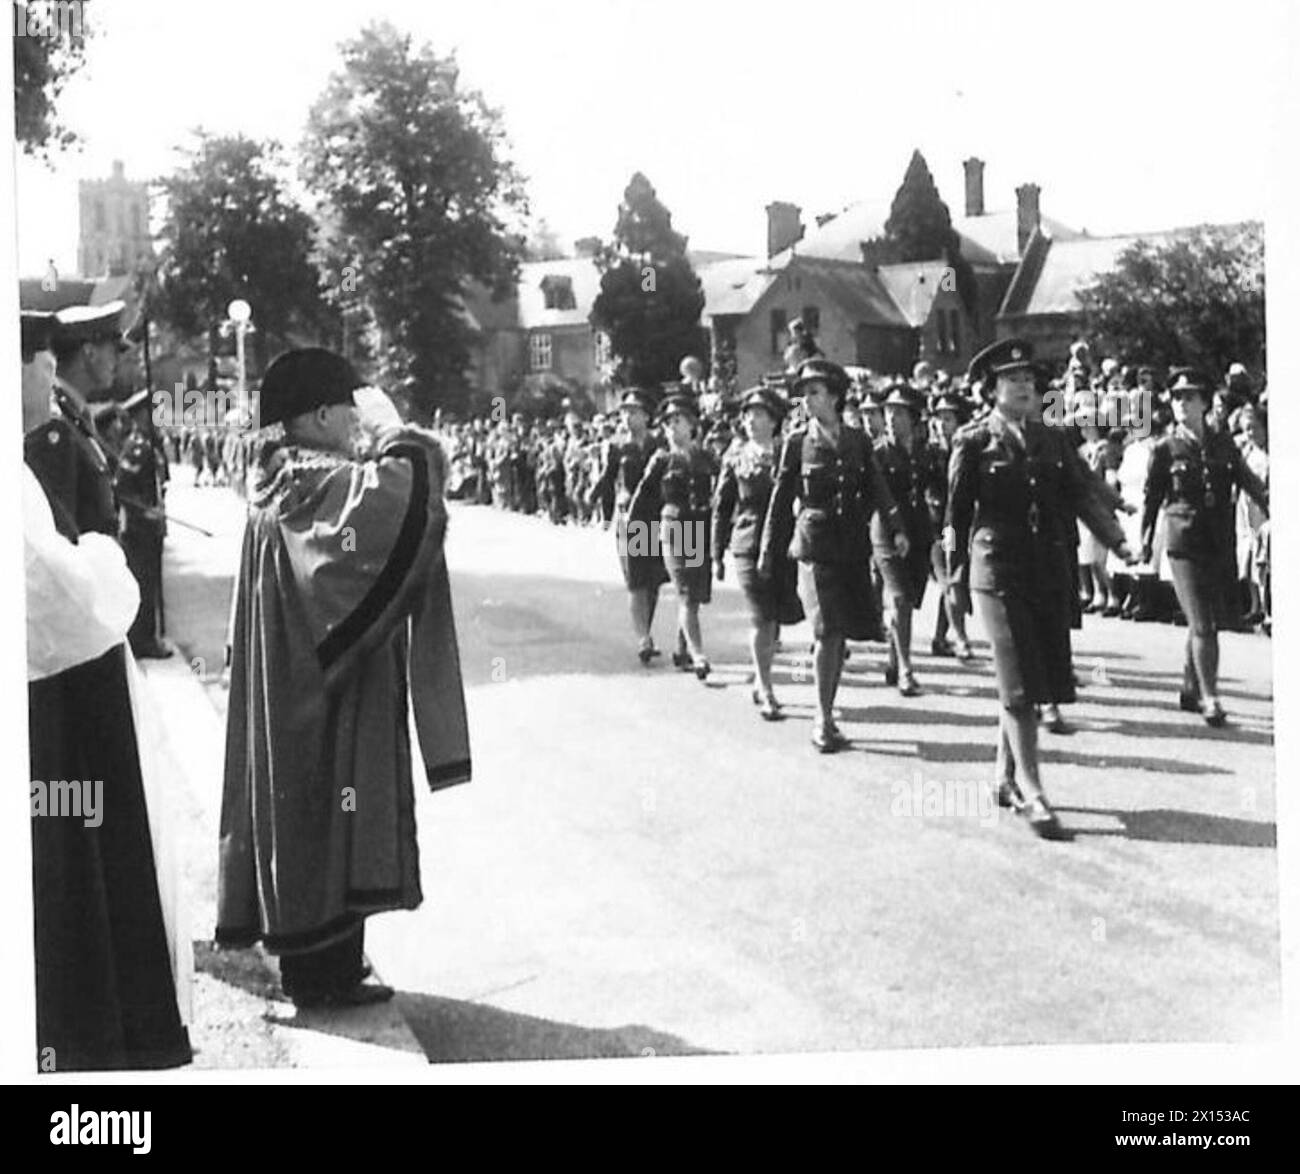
<point x="74" y="468"/>
<point x="838" y="486"/>
<point x="1012" y="506"/>
<point x="681" y="482"/>
<point x="139" y="485"/>
<point x="740" y="503"/>
<point x="910" y="476"/>
<point x="625" y="465"/>
<point x="1194" y="481"/>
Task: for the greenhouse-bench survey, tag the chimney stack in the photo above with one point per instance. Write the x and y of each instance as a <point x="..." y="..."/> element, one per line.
<point x="1027" y="214"/>
<point x="974" y="186"/>
<point x="784" y="226"/>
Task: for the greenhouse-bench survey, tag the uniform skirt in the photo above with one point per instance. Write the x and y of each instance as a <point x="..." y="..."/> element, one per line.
<point x="838" y="600"/>
<point x="904" y="579"/>
<point x="774" y="600"/>
<point x="1030" y="638"/>
<point x="640" y="570"/>
<point x="685" y="549"/>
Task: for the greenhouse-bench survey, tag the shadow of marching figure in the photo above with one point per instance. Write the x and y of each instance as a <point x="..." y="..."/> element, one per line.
<point x="451" y="1030"/>
<point x="986" y="752"/>
<point x="1164" y="825"/>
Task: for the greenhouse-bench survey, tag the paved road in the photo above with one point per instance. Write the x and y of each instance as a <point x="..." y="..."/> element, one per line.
<point x="642" y="865"/>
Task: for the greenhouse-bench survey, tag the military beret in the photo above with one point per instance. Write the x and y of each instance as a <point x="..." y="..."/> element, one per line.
<point x="78" y="324"/>
<point x="303" y="380"/>
<point x="1007" y="354"/>
<point x="823" y="371"/>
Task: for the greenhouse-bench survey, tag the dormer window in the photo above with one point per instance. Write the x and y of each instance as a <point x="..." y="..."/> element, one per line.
<point x="558" y="292"/>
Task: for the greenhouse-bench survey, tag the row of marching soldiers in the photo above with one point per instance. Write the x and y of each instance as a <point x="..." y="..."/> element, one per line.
<point x="838" y="505"/>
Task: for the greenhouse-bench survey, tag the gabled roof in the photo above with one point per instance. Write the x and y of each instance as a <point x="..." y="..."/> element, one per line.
<point x="859" y="290"/>
<point x="990" y="239"/>
<point x="913" y="286"/>
<point x="1053" y="272"/>
<point x="584" y="278"/>
<point x="735" y="286"/>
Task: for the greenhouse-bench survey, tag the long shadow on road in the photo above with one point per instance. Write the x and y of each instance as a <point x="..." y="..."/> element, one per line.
<point x="1180" y="827"/>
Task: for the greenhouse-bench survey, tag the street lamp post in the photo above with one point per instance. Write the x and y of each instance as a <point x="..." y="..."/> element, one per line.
<point x="240" y="313"/>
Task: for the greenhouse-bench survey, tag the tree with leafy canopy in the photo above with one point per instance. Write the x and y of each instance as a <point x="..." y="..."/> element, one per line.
<point x="920" y="228"/>
<point x="411" y="172"/>
<point x="1196" y="298"/>
<point x="46" y="57"/>
<point x="650" y="298"/>
<point x="232" y="230"/>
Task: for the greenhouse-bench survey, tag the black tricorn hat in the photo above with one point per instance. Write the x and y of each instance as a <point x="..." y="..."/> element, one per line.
<point x="303" y="380"/>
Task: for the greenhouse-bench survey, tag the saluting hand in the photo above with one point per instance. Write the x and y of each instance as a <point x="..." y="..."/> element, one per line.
<point x="901" y="544"/>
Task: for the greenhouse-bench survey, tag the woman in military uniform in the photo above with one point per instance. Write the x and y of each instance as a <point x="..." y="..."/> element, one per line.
<point x="739" y="511"/>
<point x="1015" y="485"/>
<point x="1192" y="474"/>
<point x="625" y="464"/>
<point x="948" y="412"/>
<point x="905" y="460"/>
<point x="680" y="480"/>
<point x="832" y="472"/>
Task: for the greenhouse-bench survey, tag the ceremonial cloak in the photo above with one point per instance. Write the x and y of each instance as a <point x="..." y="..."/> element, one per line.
<point x="342" y="627"/>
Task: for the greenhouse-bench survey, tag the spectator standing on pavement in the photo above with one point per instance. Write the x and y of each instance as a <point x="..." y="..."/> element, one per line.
<point x="342" y="611"/>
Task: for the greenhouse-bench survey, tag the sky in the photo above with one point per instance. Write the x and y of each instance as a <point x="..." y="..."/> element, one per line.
<point x="1130" y="116"/>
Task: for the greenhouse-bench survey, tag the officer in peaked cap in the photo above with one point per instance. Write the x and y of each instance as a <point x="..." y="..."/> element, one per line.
<point x="1015" y="486"/>
<point x="67" y="454"/>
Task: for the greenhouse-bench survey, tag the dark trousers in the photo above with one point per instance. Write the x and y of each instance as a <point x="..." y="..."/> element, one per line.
<point x="144" y="552"/>
<point x="336" y="967"/>
<point x="1198" y="585"/>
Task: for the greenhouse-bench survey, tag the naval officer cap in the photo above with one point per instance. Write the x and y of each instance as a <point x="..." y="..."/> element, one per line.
<point x="998" y="358"/>
<point x="81" y="324"/>
<point x="302" y="380"/>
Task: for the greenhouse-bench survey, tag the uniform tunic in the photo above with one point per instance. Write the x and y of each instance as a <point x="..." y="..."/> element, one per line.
<point x="682" y="484"/>
<point x="739" y="511"/>
<point x="342" y="613"/>
<point x="837" y="486"/>
<point x="625" y="464"/>
<point x="1012" y="502"/>
<point x="909" y="475"/>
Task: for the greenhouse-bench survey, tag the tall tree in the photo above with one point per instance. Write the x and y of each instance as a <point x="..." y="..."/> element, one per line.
<point x="920" y="228"/>
<point x="1197" y="298"/>
<point x="650" y="299"/>
<point x="49" y="48"/>
<point x="232" y="230"/>
<point x="411" y="169"/>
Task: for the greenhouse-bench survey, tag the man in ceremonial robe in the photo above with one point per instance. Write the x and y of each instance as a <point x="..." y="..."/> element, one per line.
<point x="342" y="620"/>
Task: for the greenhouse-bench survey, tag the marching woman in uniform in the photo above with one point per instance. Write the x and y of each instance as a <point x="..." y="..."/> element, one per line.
<point x="948" y="412"/>
<point x="625" y="464"/>
<point x="739" y="511"/>
<point x="832" y="472"/>
<point x="1015" y="486"/>
<point x="680" y="479"/>
<point x="1193" y="472"/>
<point x="904" y="458"/>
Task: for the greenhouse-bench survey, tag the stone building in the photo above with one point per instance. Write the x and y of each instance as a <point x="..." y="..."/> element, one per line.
<point x="114" y="224"/>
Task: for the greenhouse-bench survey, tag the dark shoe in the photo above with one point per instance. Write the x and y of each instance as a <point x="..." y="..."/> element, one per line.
<point x="941" y="648"/>
<point x="703" y="669"/>
<point x="361" y="995"/>
<point x="769" y="709"/>
<point x="152" y="650"/>
<point x="1213" y="713"/>
<point x="965" y="651"/>
<point x="1144" y="615"/>
<point x="644" y="654"/>
<point x="1189" y="702"/>
<point x="1042" y="820"/>
<point x="682" y="661"/>
<point x="891" y="674"/>
<point x="1053" y="723"/>
<point x="822" y="739"/>
<point x="1009" y="796"/>
<point x="908" y="687"/>
<point x="1111" y="610"/>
